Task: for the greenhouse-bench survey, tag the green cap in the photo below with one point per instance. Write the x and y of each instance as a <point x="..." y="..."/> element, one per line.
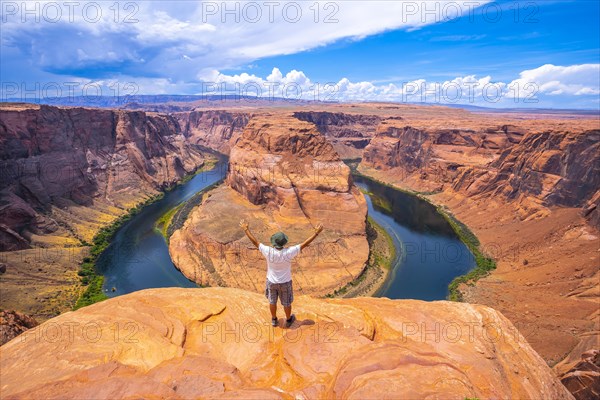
<point x="279" y="240"/>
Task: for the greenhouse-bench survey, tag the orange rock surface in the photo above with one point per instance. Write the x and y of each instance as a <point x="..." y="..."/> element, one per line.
<point x="218" y="343"/>
<point x="284" y="175"/>
<point x="582" y="378"/>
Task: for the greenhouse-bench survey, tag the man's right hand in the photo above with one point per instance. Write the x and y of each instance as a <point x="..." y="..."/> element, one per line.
<point x="308" y="241"/>
<point x="246" y="227"/>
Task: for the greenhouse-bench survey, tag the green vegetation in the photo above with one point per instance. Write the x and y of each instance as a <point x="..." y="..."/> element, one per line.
<point x="381" y="258"/>
<point x="381" y="254"/>
<point x="381" y="203"/>
<point x="162" y="224"/>
<point x="93" y="293"/>
<point x="180" y="214"/>
<point x="207" y="166"/>
<point x="365" y="191"/>
<point x="483" y="263"/>
<point x="90" y="277"/>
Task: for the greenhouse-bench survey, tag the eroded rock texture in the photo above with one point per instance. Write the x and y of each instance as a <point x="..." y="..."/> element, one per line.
<point x="218" y="343"/>
<point x="68" y="171"/>
<point x="535" y="169"/>
<point x="13" y="323"/>
<point x="217" y="129"/>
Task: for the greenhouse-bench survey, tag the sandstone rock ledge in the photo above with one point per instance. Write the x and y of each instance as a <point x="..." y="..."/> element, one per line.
<point x="215" y="343"/>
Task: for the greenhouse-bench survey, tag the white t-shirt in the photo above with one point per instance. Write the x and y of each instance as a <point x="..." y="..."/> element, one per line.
<point x="279" y="262"/>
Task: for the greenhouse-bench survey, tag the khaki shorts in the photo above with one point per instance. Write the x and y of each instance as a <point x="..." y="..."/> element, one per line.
<point x="284" y="291"/>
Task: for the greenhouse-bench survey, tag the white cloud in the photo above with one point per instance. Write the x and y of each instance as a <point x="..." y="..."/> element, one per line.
<point x="576" y="86"/>
<point x="533" y="88"/>
<point x="183" y="38"/>
<point x="577" y="80"/>
<point x="181" y="47"/>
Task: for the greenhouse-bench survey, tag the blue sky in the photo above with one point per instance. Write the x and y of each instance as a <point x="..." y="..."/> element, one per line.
<point x="532" y="54"/>
<point x="546" y="32"/>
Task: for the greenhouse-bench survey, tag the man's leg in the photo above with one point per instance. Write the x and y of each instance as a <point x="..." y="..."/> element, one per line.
<point x="288" y="311"/>
<point x="287" y="297"/>
<point x="271" y="293"/>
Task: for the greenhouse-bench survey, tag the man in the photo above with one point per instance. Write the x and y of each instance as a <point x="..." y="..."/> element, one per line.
<point x="279" y="270"/>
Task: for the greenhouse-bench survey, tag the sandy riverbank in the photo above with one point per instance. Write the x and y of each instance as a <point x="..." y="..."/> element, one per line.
<point x="379" y="265"/>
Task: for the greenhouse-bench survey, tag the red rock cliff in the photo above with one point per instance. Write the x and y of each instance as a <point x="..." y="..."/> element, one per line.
<point x="58" y="159"/>
<point x="348" y="133"/>
<point x="216" y="129"/>
<point x="522" y="185"/>
<point x="546" y="168"/>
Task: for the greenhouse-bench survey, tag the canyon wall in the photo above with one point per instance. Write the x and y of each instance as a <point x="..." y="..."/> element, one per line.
<point x="553" y="168"/>
<point x="66" y="173"/>
<point x="348" y="133"/>
<point x="535" y="169"/>
<point x="526" y="185"/>
<point x="218" y="343"/>
<point x="216" y="129"/>
<point x="430" y="158"/>
<point x="529" y="190"/>
<point x="58" y="160"/>
<point x="283" y="175"/>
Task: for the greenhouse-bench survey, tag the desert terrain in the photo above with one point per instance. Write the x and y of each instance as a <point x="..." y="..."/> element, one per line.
<point x="526" y="183"/>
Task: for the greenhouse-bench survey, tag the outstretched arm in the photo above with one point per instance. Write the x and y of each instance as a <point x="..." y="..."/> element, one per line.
<point x="244" y="225"/>
<point x="318" y="230"/>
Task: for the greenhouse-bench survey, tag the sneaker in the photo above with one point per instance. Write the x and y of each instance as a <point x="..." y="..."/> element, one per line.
<point x="289" y="322"/>
<point x="274" y="321"/>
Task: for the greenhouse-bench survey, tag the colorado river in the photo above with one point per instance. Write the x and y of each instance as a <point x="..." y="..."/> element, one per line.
<point x="428" y="252"/>
<point x="138" y="257"/>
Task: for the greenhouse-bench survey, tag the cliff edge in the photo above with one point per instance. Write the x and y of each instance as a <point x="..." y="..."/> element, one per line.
<point x="217" y="343"/>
